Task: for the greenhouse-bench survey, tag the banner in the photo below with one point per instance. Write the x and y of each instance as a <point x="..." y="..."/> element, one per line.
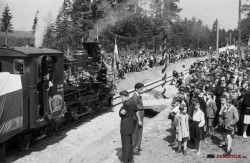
<point x="11" y="105"/>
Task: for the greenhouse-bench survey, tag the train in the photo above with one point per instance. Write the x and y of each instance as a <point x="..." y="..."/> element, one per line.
<point x="43" y="90"/>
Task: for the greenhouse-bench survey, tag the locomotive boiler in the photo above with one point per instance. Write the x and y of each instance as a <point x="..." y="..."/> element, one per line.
<point x="41" y="90"/>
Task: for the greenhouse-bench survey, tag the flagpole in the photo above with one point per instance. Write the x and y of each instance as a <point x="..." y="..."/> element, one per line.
<point x="239" y="34"/>
<point x="97" y="33"/>
<point x="217" y="41"/>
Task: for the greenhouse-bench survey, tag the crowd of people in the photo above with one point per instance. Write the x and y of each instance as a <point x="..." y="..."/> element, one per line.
<point x="144" y="61"/>
<point x="214" y="99"/>
<point x="215" y="96"/>
<point x="132" y="111"/>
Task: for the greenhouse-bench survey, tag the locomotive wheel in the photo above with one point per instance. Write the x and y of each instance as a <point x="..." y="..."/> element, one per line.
<point x="110" y="101"/>
<point x="2" y="151"/>
<point x="23" y="141"/>
<point x="74" y="114"/>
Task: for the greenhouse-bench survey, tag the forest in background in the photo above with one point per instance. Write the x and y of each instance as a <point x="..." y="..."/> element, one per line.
<point x="131" y="24"/>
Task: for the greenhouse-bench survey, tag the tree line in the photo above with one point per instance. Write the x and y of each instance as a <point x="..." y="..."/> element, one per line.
<point x="129" y="23"/>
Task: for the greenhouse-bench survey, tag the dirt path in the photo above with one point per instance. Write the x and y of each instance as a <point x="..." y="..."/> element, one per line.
<point x="98" y="139"/>
<point x="157" y="139"/>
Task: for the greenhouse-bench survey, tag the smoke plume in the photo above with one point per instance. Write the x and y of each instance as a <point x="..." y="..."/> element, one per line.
<point x="44" y="20"/>
<point x="111" y="16"/>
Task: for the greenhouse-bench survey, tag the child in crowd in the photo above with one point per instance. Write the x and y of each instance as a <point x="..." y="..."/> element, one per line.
<point x="230" y="117"/>
<point x="182" y="129"/>
<point x="196" y="126"/>
<point x="176" y="107"/>
<point x="211" y="110"/>
<point x="174" y="111"/>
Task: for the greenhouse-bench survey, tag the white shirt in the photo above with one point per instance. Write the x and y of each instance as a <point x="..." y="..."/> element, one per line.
<point x="198" y="116"/>
<point x="176" y="109"/>
<point x="223" y="85"/>
<point x="137" y="94"/>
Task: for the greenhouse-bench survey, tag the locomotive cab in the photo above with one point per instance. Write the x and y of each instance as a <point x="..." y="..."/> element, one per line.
<point x="42" y="82"/>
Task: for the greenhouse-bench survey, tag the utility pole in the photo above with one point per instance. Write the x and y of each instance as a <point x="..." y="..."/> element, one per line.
<point x="239" y="34"/>
<point x="217" y="41"/>
<point x="154" y="44"/>
<point x="198" y="42"/>
<point x="97" y="34"/>
<point x="230" y="35"/>
<point x="90" y="3"/>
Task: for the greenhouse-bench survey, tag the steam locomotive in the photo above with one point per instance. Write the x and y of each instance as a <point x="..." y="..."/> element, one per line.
<point x="42" y="91"/>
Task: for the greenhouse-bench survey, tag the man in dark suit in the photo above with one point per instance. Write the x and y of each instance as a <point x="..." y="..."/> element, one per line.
<point x="127" y="113"/>
<point x="137" y="135"/>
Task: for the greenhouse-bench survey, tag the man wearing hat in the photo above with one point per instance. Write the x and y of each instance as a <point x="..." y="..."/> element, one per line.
<point x="137" y="135"/>
<point x="45" y="92"/>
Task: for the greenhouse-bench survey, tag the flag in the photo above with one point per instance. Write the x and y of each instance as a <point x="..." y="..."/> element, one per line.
<point x="68" y="51"/>
<point x="116" y="59"/>
<point x="242" y="53"/>
<point x="227" y="49"/>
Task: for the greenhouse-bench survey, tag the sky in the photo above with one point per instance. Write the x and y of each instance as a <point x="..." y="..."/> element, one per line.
<point x="24" y="11"/>
<point x="226" y="11"/>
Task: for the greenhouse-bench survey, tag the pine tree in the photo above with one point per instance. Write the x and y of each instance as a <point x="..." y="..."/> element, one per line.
<point x="63" y="26"/>
<point x="82" y="19"/>
<point x="213" y="35"/>
<point x="50" y="34"/>
<point x="6" y="25"/>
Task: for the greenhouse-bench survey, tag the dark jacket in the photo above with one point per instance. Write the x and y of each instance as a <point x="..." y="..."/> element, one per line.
<point x="246" y="103"/>
<point x="127" y="120"/>
<point x="231" y="117"/>
<point x="138" y="100"/>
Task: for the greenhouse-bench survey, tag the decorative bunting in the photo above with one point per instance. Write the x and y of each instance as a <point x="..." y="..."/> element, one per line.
<point x="164" y="91"/>
<point x="165" y="67"/>
<point x="164" y="51"/>
<point x="129" y="38"/>
<point x="164" y="77"/>
<point x="164" y="96"/>
<point x="164" y="83"/>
